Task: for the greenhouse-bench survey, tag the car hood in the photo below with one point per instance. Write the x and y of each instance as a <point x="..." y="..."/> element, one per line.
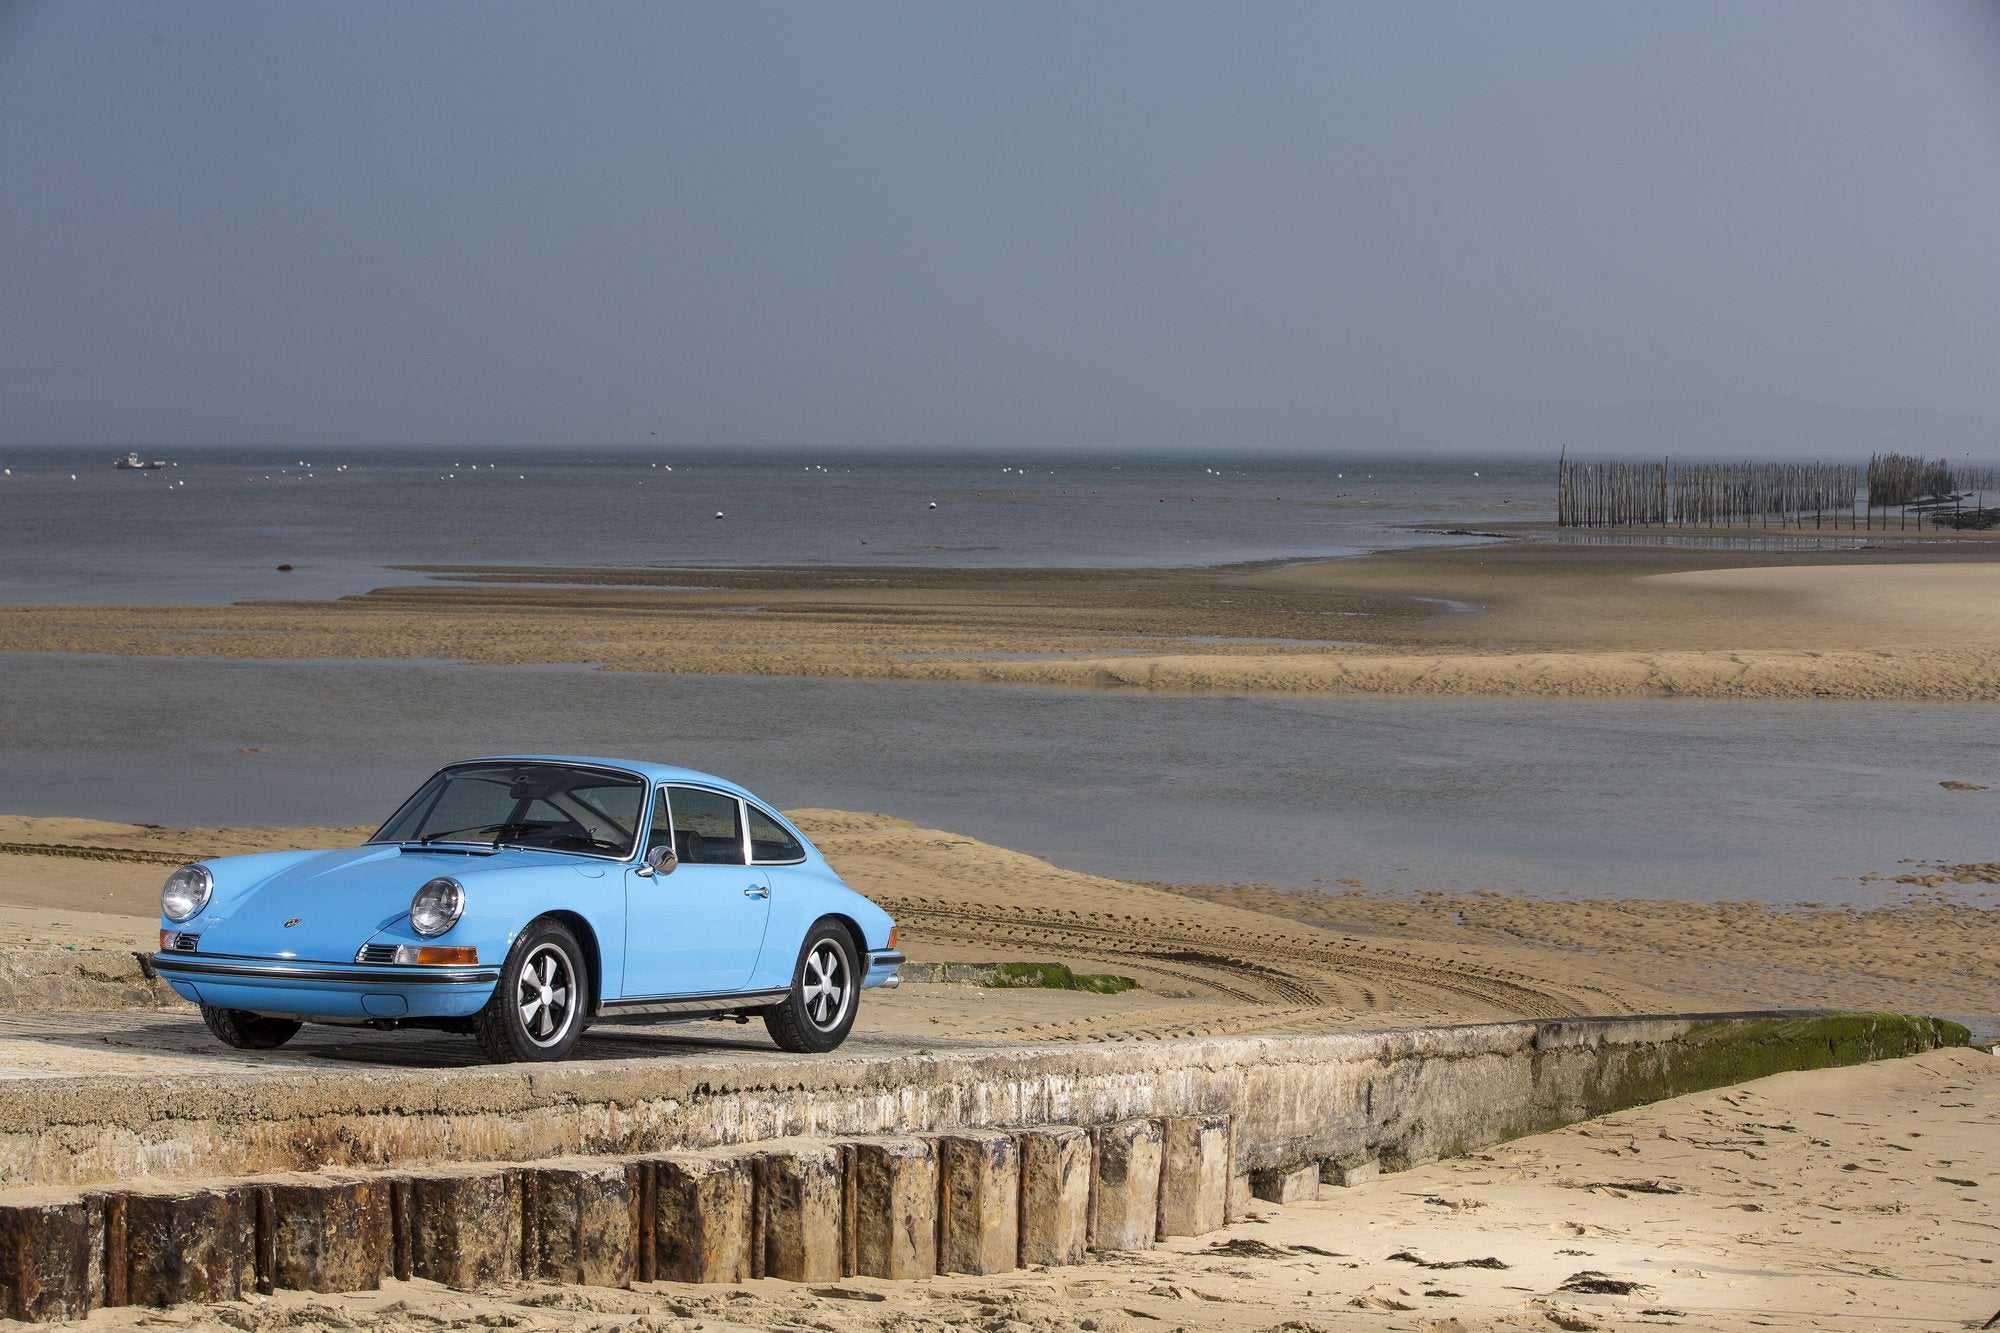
<point x="327" y="905"/>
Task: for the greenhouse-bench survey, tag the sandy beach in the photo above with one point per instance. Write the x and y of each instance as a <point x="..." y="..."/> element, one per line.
<point x="1849" y="1198"/>
<point x="1209" y="960"/>
<point x="1899" y="618"/>
<point x="1846" y="1198"/>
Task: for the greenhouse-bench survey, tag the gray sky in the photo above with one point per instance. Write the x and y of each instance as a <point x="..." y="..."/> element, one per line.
<point x="1740" y="225"/>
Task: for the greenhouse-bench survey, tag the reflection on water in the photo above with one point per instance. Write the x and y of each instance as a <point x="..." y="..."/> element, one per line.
<point x="1635" y="798"/>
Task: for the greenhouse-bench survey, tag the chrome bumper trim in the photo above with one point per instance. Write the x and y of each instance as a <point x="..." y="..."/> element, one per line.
<point x="881" y="958"/>
<point x="180" y="965"/>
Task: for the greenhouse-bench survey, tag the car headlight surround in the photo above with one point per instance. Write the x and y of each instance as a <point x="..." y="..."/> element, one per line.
<point x="186" y="892"/>
<point x="437" y="906"/>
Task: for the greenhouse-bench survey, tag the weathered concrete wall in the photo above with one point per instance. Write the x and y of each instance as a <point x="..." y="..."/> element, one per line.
<point x="1347" y="1101"/>
<point x="1164" y="1139"/>
<point x="52" y="980"/>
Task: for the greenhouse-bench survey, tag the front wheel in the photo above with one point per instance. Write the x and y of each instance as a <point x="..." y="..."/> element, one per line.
<point x="818" y="1012"/>
<point x="536" y="1012"/>
<point x="247" y="1031"/>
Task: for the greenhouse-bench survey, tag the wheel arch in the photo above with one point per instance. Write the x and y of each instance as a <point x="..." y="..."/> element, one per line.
<point x="854" y="934"/>
<point x="593" y="954"/>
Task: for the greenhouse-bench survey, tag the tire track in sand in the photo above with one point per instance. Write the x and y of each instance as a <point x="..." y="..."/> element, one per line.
<point x="1291" y="981"/>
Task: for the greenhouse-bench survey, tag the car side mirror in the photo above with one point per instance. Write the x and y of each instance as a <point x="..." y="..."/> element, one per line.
<point x="659" y="860"/>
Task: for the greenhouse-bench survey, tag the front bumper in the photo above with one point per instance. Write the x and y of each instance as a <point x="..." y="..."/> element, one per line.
<point x="290" y="988"/>
<point x="882" y="965"/>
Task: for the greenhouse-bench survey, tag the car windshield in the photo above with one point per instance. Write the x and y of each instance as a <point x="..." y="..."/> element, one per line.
<point x="571" y="808"/>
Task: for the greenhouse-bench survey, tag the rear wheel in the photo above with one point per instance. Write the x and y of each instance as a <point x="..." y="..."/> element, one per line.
<point x="826" y="985"/>
<point x="247" y="1031"/>
<point x="537" y="1010"/>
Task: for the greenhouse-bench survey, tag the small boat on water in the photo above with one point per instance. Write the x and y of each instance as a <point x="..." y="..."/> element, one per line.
<point x="133" y="463"/>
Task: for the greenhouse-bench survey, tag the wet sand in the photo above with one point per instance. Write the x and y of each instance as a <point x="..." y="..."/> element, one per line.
<point x="1903" y="619"/>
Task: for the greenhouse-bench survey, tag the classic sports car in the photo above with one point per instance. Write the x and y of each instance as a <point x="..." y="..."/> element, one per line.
<point x="523" y="898"/>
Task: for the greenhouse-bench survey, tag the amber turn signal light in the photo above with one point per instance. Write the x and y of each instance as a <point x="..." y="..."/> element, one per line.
<point x="892" y="935"/>
<point x="439" y="953"/>
<point x="167" y="938"/>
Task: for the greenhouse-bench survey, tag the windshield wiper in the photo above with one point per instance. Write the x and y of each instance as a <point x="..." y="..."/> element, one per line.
<point x="500" y="832"/>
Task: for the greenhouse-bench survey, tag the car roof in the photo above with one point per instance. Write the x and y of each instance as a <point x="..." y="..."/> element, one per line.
<point x="653" y="773"/>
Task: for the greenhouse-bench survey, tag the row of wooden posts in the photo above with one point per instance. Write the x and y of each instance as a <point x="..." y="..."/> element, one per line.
<point x="976" y="1201"/>
<point x="1902" y="490"/>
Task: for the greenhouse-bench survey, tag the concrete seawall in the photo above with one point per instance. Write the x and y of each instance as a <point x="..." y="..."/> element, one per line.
<point x="719" y="1168"/>
<point x="54" y="979"/>
<point x="1397" y="1097"/>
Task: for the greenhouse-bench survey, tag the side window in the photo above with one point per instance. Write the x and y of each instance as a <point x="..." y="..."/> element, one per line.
<point x="708" y="827"/>
<point x="770" y="841"/>
<point x="661" y="832"/>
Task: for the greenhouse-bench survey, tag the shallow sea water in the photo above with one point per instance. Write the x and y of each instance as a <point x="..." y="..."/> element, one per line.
<point x="1656" y="798"/>
<point x="1776" y="802"/>
<point x="215" y="525"/>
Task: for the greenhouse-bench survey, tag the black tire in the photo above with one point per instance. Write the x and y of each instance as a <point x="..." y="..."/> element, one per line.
<point x="538" y="1008"/>
<point x="826" y="990"/>
<point x="247" y="1031"/>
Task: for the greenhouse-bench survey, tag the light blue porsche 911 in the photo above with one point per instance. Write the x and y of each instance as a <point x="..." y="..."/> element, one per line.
<point x="521" y="899"/>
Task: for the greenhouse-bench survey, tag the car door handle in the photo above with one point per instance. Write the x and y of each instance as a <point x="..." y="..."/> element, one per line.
<point x="757" y="891"/>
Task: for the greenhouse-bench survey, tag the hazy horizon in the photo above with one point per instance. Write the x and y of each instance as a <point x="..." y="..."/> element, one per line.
<point x="1703" y="229"/>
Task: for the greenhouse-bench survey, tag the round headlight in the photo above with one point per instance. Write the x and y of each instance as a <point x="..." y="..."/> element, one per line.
<point x="186" y="892"/>
<point x="436" y="907"/>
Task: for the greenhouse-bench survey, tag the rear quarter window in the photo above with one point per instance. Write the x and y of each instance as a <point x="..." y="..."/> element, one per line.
<point x="770" y="841"/>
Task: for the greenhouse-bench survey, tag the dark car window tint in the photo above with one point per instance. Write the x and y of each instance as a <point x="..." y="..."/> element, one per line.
<point x="708" y="827"/>
<point x="772" y="841"/>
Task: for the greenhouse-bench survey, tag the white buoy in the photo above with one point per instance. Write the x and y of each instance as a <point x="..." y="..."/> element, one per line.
<point x="718" y="513"/>
<point x="934" y="504"/>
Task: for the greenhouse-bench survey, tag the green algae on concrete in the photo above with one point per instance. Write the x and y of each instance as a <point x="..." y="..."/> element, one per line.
<point x="1723" y="1051"/>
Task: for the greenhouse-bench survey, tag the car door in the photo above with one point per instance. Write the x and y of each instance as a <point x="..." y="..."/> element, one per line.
<point x="696" y="931"/>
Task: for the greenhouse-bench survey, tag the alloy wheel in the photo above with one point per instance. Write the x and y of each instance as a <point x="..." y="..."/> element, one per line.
<point x="546" y="994"/>
<point x="825" y="985"/>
